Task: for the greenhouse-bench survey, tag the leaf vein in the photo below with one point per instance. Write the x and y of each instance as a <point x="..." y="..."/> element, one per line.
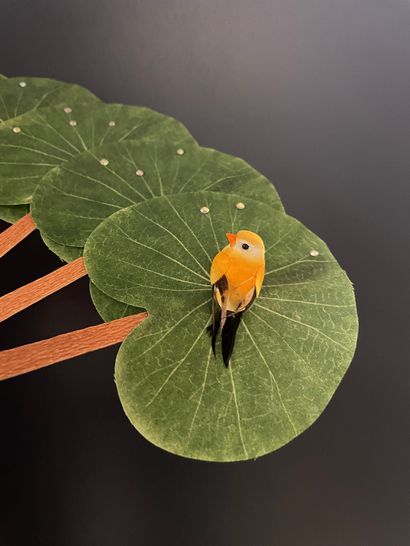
<point x="272" y="376"/>
<point x="238" y="415"/>
<point x="304" y="324"/>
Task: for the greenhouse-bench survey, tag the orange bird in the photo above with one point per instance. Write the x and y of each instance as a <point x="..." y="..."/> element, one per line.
<point x="237" y="273"/>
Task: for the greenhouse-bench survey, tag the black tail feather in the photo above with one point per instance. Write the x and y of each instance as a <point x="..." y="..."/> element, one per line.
<point x="228" y="336"/>
<point x="213" y="330"/>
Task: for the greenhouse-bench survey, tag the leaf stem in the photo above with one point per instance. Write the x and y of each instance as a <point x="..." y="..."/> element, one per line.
<point x="27" y="295"/>
<point x="14" y="234"/>
<point x="43" y="353"/>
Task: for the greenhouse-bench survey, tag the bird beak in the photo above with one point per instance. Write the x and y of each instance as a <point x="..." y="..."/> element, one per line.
<point x="231" y="238"/>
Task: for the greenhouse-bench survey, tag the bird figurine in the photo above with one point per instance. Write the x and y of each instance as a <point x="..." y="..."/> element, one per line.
<point x="237" y="273"/>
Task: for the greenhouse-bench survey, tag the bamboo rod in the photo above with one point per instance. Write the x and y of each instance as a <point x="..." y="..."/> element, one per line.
<point x="27" y="295"/>
<point x="14" y="234"/>
<point x="43" y="353"/>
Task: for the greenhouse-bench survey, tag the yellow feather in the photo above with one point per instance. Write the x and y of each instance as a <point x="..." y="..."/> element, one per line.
<point x="219" y="266"/>
<point x="251" y="237"/>
<point x="259" y="278"/>
<point x="244" y="272"/>
<point x="237" y="273"/>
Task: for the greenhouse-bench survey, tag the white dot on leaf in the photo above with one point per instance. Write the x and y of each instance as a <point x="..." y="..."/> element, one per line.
<point x="240" y="206"/>
<point x="73" y="123"/>
<point x="111" y="123"/>
<point x="139" y="172"/>
<point x="16" y="130"/>
<point x="180" y="151"/>
<point x="204" y="210"/>
<point x="314" y="252"/>
<point x="22" y="84"/>
<point x="104" y="162"/>
<point x="68" y="110"/>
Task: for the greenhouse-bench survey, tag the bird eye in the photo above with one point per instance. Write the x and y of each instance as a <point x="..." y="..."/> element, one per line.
<point x="245" y="246"/>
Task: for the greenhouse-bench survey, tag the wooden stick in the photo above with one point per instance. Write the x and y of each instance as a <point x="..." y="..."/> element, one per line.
<point x="27" y="295"/>
<point x="14" y="234"/>
<point x="50" y="351"/>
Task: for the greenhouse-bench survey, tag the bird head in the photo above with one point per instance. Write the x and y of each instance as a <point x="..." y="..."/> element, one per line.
<point x="247" y="243"/>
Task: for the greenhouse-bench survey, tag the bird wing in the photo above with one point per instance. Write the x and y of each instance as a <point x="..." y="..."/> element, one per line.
<point x="254" y="292"/>
<point x="220" y="288"/>
<point x="259" y="279"/>
<point x="219" y="266"/>
<point x="247" y="301"/>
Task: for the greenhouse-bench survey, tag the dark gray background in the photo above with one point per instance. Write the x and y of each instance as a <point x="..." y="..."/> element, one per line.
<point x="315" y="94"/>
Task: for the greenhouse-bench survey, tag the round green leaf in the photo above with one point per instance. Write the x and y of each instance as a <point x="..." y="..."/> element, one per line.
<point x="21" y="95"/>
<point x="293" y="346"/>
<point x="12" y="213"/>
<point x="109" y="308"/>
<point x="73" y="199"/>
<point x="66" y="253"/>
<point x="49" y="137"/>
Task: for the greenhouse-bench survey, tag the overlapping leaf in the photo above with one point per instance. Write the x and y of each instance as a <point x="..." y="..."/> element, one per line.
<point x="293" y="346"/>
<point x="74" y="198"/>
<point x="12" y="213"/>
<point x="33" y="144"/>
<point x="66" y="253"/>
<point x="110" y="308"/>
<point x="21" y="95"/>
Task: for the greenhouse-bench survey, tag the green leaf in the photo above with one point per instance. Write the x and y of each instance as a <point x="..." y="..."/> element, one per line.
<point x="109" y="308"/>
<point x="21" y="95"/>
<point x="73" y="199"/>
<point x="45" y="139"/>
<point x="66" y="253"/>
<point x="12" y="213"/>
<point x="293" y="346"/>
